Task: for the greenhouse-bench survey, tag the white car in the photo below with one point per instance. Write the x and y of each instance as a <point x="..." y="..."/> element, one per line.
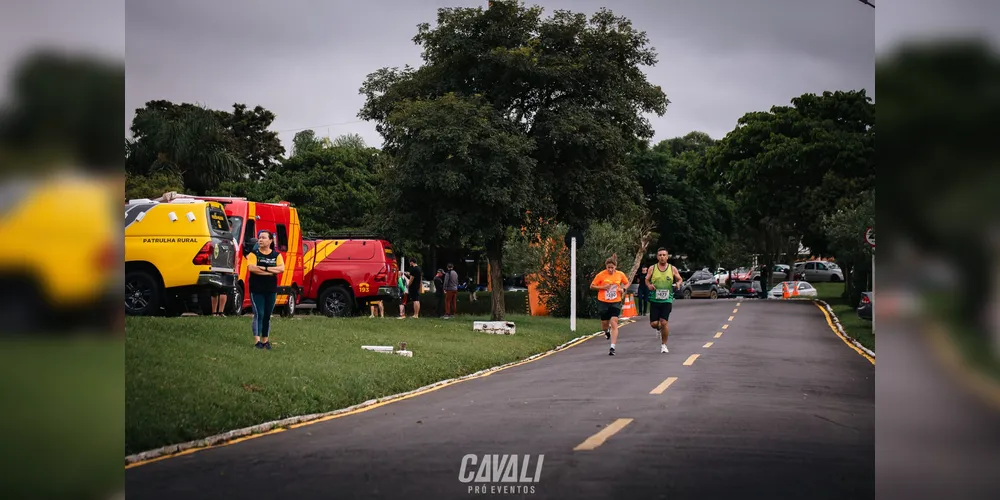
<point x="804" y="289"/>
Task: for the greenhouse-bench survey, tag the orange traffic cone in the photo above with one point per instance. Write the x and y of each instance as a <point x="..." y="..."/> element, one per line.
<point x="784" y="290"/>
<point x="629" y="310"/>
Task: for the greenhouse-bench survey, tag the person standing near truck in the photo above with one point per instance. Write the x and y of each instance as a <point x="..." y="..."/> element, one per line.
<point x="264" y="264"/>
<point x="439" y="293"/>
<point x="414" y="286"/>
<point x="403" y="294"/>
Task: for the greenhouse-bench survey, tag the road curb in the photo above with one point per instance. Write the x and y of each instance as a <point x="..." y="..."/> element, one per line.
<point x="238" y="435"/>
<point x="838" y="328"/>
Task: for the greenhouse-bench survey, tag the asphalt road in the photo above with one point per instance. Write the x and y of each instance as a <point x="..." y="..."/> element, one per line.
<point x="777" y="407"/>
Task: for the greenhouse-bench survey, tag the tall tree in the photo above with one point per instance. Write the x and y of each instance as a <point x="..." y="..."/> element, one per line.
<point x="511" y="112"/>
<point x="353" y="141"/>
<point x="691" y="216"/>
<point x="256" y="146"/>
<point x="304" y="142"/>
<point x="788" y="167"/>
<point x="207" y="147"/>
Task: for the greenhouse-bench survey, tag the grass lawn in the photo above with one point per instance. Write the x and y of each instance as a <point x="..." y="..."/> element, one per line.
<point x="192" y="377"/>
<point x="859" y="329"/>
<point x="62" y="415"/>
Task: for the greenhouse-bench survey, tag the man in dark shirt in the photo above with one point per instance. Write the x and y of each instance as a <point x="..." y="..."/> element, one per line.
<point x="415" y="285"/>
<point x="439" y="292"/>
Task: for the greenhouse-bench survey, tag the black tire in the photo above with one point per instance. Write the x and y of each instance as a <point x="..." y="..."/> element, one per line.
<point x="336" y="302"/>
<point x="234" y="304"/>
<point x="686" y="293"/>
<point x="288" y="311"/>
<point x="142" y="294"/>
<point x="713" y="295"/>
<point x="834" y="278"/>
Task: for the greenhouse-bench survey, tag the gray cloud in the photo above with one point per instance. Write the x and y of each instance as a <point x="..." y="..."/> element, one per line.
<point x="305" y="60"/>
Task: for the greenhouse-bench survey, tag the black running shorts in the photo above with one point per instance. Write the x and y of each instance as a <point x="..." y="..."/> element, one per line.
<point x="659" y="310"/>
<point x="609" y="310"/>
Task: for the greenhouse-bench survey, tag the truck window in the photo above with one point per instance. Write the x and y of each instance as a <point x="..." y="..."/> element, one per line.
<point x="218" y="222"/>
<point x="282" y="238"/>
<point x="249" y="234"/>
<point x="236" y="227"/>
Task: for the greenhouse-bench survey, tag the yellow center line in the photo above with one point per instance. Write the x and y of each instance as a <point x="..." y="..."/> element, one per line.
<point x="603" y="435"/>
<point x="708" y="344"/>
<point x="718" y="335"/>
<point x="738" y="304"/>
<point x="690" y="360"/>
<point x="735" y="311"/>
<point x="663" y="385"/>
<point x="725" y="327"/>
<point x="731" y="318"/>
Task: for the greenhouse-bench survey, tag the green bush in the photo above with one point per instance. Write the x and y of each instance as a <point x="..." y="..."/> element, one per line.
<point x="515" y="302"/>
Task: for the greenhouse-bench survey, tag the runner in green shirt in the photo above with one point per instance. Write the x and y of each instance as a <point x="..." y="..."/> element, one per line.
<point x="661" y="280"/>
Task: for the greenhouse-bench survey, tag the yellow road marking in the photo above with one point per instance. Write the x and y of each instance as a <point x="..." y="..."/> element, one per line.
<point x="708" y="344"/>
<point x="355" y="411"/>
<point x="663" y="385"/>
<point x="731" y="318"/>
<point x="690" y="360"/>
<point x="603" y="435"/>
<point x="829" y="321"/>
<point x="738" y="304"/>
<point x="735" y="310"/>
<point x="718" y="335"/>
<point x="725" y="327"/>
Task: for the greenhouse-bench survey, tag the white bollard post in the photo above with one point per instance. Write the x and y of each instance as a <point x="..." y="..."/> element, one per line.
<point x="572" y="284"/>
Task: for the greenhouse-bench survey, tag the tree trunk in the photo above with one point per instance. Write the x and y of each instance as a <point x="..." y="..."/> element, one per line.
<point x="637" y="263"/>
<point x="494" y="253"/>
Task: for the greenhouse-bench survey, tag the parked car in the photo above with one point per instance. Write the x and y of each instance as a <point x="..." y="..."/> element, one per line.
<point x="745" y="289"/>
<point x="819" y="271"/>
<point x="804" y="289"/>
<point x="701" y="284"/>
<point x="779" y="274"/>
<point x="866" y="309"/>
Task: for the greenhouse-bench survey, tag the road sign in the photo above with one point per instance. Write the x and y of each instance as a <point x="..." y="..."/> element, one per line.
<point x="575" y="233"/>
<point x="870" y="236"/>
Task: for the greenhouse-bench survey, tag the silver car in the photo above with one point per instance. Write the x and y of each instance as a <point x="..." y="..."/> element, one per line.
<point x="818" y="271"/>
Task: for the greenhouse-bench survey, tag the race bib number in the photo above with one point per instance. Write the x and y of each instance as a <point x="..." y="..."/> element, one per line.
<point x="662" y="294"/>
<point x="611" y="293"/>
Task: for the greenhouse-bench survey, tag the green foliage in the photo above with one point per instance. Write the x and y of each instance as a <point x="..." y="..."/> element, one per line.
<point x="205" y="147"/>
<point x="511" y="113"/>
<point x="332" y="188"/>
<point x="304" y="142"/>
<point x="63" y="106"/>
<point x="691" y="216"/>
<point x="845" y="231"/>
<point x="152" y="185"/>
<point x="350" y="141"/>
<point x="790" y="166"/>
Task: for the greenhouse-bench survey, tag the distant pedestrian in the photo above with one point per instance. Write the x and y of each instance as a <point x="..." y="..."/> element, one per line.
<point x="451" y="292"/>
<point x="378" y="309"/>
<point x="264" y="264"/>
<point x="439" y="292"/>
<point x="403" y="294"/>
<point x="414" y="286"/>
<point x="611" y="285"/>
<point x="643" y="292"/>
<point x="473" y="286"/>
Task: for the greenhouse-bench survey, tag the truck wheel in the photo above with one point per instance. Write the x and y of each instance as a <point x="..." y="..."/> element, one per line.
<point x="289" y="310"/>
<point x="142" y="294"/>
<point x="234" y="304"/>
<point x="336" y="302"/>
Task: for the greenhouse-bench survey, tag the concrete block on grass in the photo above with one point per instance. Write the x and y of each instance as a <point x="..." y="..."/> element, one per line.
<point x="496" y="327"/>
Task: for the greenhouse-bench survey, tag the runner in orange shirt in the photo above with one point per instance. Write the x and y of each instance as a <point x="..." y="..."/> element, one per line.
<point x="611" y="285"/>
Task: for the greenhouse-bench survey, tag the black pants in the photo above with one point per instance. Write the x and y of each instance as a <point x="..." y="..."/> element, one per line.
<point x="642" y="302"/>
<point x="440" y="304"/>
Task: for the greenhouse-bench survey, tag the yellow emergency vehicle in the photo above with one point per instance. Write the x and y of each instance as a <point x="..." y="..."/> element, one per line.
<point x="63" y="272"/>
<point x="173" y="251"/>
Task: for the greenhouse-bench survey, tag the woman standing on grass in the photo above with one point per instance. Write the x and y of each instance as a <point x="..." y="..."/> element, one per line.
<point x="264" y="264"/>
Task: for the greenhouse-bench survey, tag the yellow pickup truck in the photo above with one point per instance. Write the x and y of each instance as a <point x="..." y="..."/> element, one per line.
<point x="174" y="251"/>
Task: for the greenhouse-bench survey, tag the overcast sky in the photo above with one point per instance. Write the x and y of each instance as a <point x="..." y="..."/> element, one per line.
<point x="305" y="59"/>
